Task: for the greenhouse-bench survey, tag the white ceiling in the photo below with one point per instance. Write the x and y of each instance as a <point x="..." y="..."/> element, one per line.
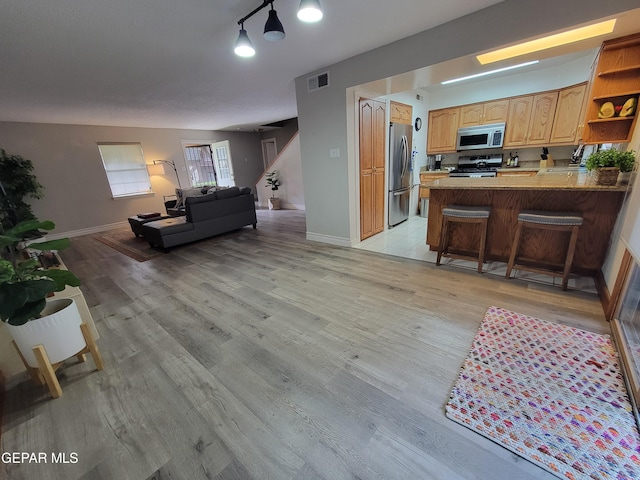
<point x="168" y="63"/>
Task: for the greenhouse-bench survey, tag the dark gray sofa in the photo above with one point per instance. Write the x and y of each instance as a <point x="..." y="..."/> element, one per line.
<point x="206" y="216"/>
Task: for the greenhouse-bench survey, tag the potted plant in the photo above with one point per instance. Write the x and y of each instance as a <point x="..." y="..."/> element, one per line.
<point x="25" y="285"/>
<point x="274" y="182"/>
<point x="17" y="182"/>
<point x="606" y="165"/>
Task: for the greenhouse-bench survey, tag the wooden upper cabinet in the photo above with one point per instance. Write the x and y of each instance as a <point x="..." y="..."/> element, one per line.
<point x="616" y="79"/>
<point x="530" y="119"/>
<point x="401" y="113"/>
<point x="518" y="118"/>
<point x="442" y="130"/>
<point x="544" y="109"/>
<point x="567" y="118"/>
<point x="484" y="113"/>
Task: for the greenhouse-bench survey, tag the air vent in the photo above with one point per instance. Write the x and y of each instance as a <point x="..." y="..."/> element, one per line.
<point x="318" y="82"/>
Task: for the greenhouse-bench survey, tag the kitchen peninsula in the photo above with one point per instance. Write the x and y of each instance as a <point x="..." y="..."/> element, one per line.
<point x="568" y="191"/>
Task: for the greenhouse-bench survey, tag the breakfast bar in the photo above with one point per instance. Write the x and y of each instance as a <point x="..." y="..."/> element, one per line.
<point x="560" y="192"/>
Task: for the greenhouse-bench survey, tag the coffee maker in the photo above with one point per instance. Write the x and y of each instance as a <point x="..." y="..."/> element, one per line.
<point x="434" y="162"/>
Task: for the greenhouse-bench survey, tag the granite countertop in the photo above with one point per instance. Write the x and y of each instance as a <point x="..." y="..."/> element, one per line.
<point x="578" y="180"/>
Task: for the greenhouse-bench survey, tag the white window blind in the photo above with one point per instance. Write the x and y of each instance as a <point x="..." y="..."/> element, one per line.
<point x="126" y="170"/>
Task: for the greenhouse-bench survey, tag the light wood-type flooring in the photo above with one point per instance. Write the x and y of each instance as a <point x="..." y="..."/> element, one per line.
<point x="260" y="355"/>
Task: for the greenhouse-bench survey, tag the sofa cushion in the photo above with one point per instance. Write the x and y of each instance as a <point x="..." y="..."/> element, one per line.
<point x="228" y="193"/>
<point x="169" y="226"/>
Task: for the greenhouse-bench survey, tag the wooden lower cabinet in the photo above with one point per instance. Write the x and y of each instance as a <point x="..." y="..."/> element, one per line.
<point x="428" y="178"/>
<point x="372" y="166"/>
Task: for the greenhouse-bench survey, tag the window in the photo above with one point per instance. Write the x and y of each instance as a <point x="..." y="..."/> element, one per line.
<point x="125" y="167"/>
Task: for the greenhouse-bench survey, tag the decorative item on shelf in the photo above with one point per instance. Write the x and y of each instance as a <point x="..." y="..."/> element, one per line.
<point x="45" y="332"/>
<point x="628" y="108"/>
<point x="606" y="165"/>
<point x="274" y="182"/>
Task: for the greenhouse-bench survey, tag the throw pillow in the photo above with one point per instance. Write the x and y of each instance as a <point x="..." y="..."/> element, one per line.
<point x="183" y="193"/>
<point x="245" y="190"/>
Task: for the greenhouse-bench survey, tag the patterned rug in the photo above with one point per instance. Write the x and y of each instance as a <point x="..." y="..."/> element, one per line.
<point x="124" y="241"/>
<point x="552" y="394"/>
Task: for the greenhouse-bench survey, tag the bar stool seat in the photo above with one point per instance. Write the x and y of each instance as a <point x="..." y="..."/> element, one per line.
<point x="463" y="214"/>
<point x="558" y="221"/>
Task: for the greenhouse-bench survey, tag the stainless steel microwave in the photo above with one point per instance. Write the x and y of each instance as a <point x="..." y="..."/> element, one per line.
<point x="480" y="136"/>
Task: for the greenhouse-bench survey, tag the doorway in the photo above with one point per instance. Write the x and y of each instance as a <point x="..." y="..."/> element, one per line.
<point x="269" y="152"/>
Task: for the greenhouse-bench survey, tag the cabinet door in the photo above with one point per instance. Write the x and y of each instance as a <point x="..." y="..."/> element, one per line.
<point x="518" y="121"/>
<point x="401" y="113"/>
<point x="443" y="127"/>
<point x="471" y="115"/>
<point x="496" y="112"/>
<point x="428" y="179"/>
<point x="541" y="123"/>
<point x="372" y="167"/>
<point x="567" y="117"/>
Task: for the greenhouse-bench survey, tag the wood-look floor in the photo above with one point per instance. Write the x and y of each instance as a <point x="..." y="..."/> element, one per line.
<point x="260" y="355"/>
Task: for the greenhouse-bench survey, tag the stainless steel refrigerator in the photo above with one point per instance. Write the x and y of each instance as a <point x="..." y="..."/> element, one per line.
<point x="399" y="172"/>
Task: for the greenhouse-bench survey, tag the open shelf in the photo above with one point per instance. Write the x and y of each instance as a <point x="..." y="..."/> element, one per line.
<point x="616" y="95"/>
<point x="612" y="119"/>
<point x="630" y="68"/>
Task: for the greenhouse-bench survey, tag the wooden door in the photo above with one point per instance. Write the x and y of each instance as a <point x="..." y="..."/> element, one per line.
<point x="567" y="117"/>
<point x="542" y="113"/>
<point x="443" y="127"/>
<point x="495" y="112"/>
<point x="518" y="121"/>
<point x="372" y="166"/>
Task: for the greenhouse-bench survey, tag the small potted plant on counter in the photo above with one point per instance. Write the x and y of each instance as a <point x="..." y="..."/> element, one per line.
<point x="607" y="164"/>
<point x="274" y="182"/>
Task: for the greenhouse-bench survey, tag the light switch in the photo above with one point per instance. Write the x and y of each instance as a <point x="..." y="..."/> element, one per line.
<point x="334" y="153"/>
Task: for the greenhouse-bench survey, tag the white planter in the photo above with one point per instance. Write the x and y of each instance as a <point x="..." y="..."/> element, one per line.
<point x="274" y="203"/>
<point x="58" y="330"/>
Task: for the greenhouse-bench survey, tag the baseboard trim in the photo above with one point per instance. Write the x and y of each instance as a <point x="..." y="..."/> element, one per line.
<point x="318" y="237"/>
<point x="283" y="206"/>
<point x="87" y="231"/>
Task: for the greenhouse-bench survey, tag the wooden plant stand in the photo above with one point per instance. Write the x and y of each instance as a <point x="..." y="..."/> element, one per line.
<point x="46" y="372"/>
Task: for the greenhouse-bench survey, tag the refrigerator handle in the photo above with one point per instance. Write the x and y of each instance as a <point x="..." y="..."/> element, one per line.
<point x="405" y="148"/>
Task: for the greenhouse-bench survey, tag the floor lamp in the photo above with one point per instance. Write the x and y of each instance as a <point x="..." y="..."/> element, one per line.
<point x="158" y="169"/>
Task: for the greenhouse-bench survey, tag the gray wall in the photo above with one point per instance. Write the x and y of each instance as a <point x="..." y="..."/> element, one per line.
<point x="322" y="115"/>
<point x="76" y="192"/>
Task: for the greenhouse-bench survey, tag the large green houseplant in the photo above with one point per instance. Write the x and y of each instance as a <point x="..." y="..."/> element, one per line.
<point x="17" y="182"/>
<point x="24" y="282"/>
<point x="273" y="181"/>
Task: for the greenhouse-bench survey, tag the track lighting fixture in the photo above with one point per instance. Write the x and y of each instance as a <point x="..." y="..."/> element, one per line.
<point x="309" y="11"/>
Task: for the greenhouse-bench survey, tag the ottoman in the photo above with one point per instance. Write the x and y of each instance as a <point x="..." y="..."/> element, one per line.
<point x="136" y="222"/>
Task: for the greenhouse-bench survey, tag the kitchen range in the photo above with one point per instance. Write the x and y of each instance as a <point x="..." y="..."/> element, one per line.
<point x="475" y="166"/>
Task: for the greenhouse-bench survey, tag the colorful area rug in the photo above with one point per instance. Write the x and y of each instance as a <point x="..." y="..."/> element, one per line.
<point x="124" y="241"/>
<point x="552" y="394"/>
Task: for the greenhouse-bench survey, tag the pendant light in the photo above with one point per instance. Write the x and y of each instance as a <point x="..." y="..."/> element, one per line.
<point x="273" y="29"/>
<point x="244" y="47"/>
<point x="310" y="11"/>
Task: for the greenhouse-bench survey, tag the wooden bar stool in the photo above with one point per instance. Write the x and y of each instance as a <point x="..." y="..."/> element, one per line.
<point x="463" y="214"/>
<point x="558" y="221"/>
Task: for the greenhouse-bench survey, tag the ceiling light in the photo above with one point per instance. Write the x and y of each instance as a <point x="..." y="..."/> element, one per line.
<point x="244" y="47"/>
<point x="273" y="29"/>
<point x="550" y="41"/>
<point x="482" y="74"/>
<point x="310" y="11"/>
